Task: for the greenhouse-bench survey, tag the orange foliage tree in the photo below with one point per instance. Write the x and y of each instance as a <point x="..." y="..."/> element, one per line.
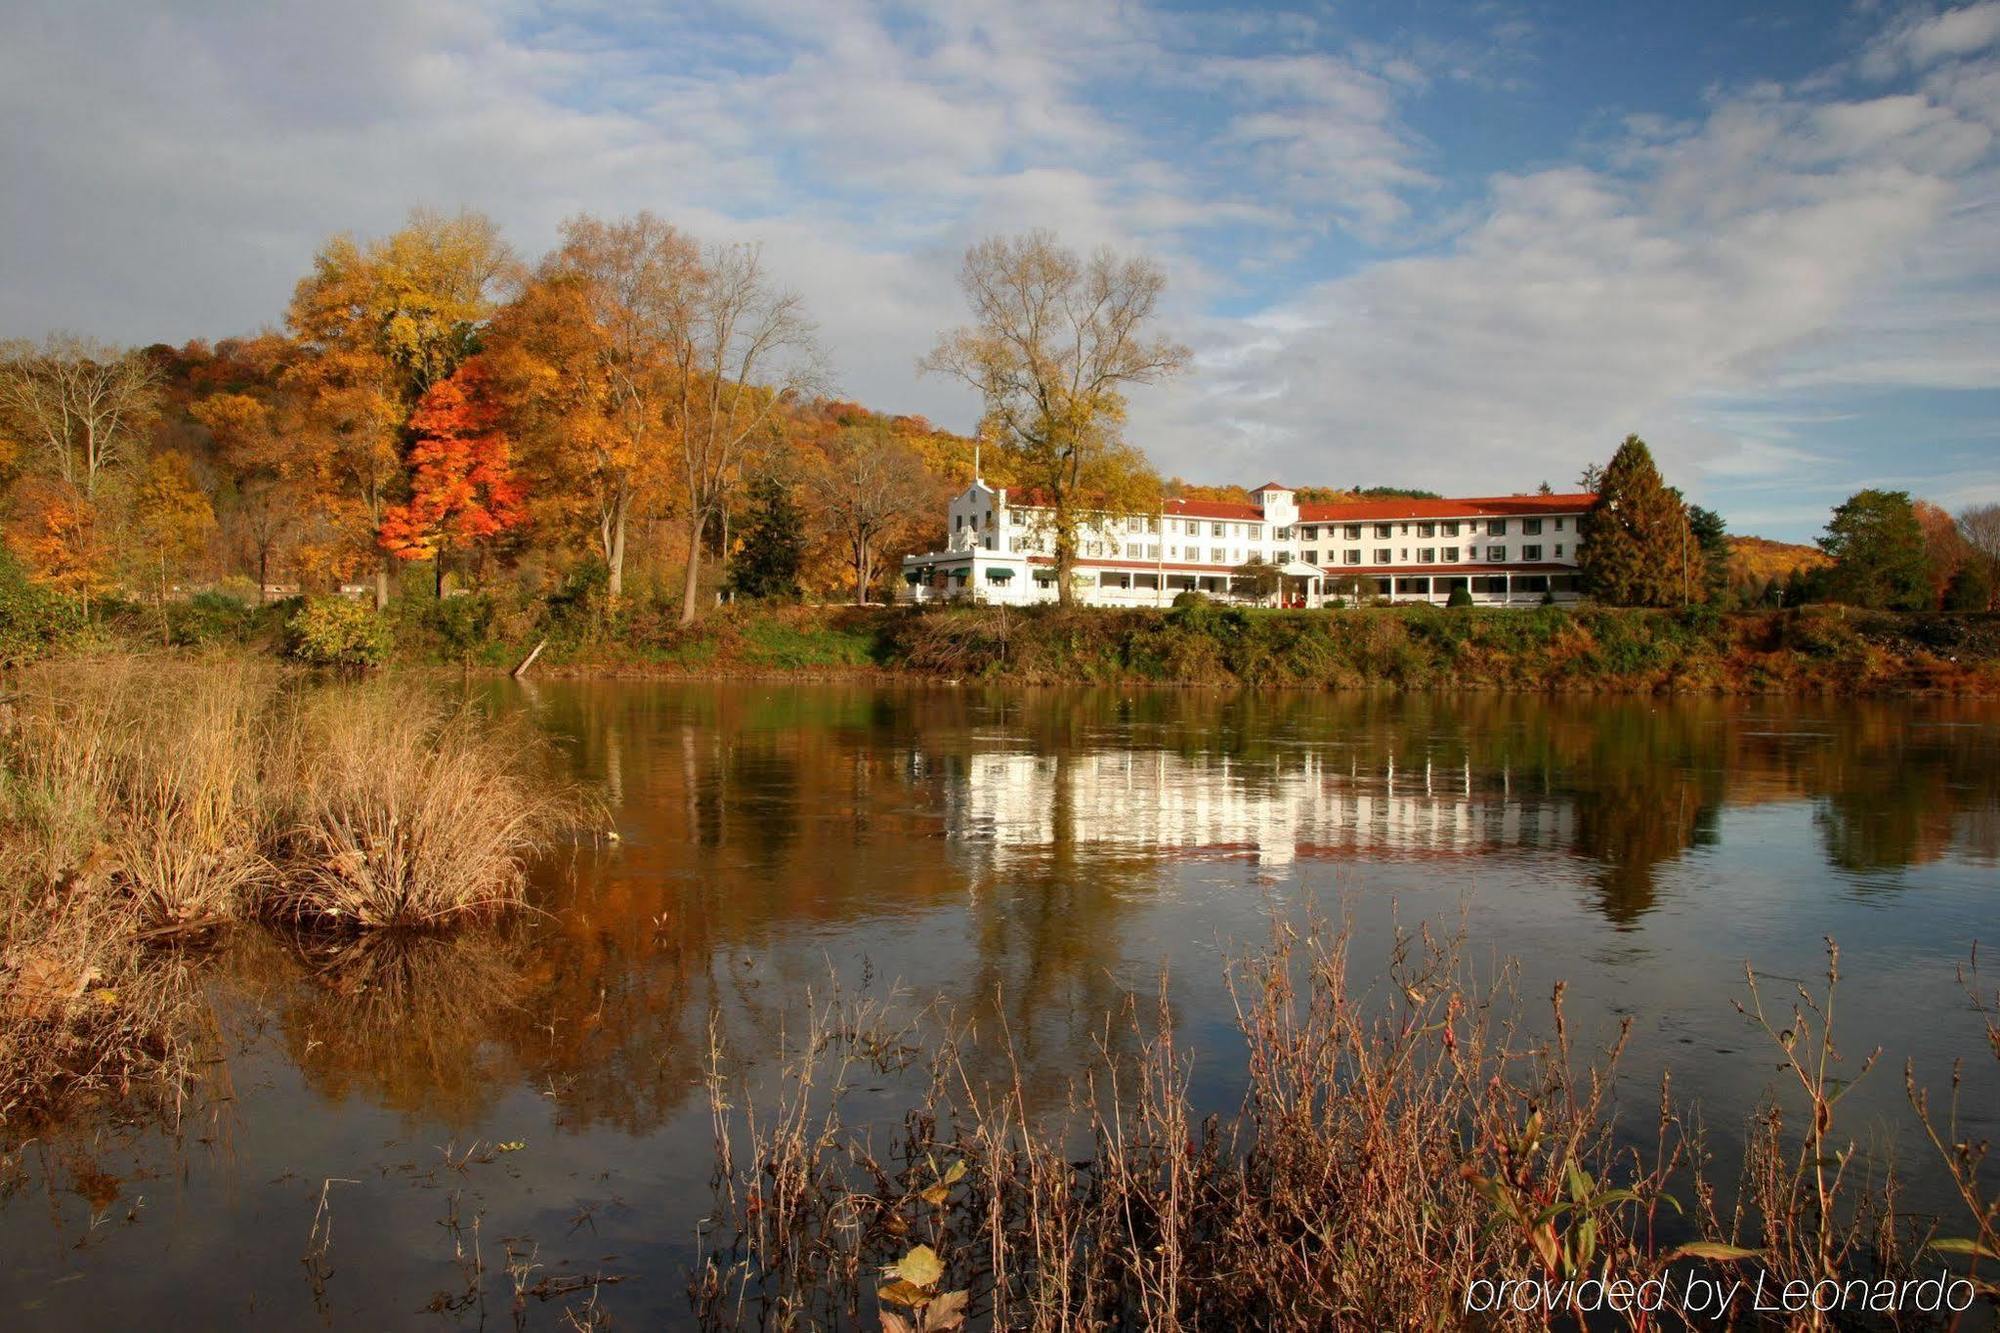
<point x="59" y="535"/>
<point x="463" y="491"/>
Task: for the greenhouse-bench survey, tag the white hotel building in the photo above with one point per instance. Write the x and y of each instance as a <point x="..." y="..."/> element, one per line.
<point x="1511" y="550"/>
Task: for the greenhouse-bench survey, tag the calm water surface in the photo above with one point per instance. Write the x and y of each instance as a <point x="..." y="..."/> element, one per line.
<point x="1048" y="852"/>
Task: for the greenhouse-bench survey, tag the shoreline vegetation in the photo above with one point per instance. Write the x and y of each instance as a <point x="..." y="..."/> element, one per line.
<point x="1396" y="1144"/>
<point x="1815" y="650"/>
<point x="146" y="806"/>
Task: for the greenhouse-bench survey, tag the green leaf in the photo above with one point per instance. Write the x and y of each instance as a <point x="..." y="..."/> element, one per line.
<point x="1972" y="1249"/>
<point x="1712" y="1249"/>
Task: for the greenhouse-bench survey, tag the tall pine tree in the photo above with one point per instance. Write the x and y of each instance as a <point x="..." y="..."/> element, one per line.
<point x="774" y="544"/>
<point x="1638" y="549"/>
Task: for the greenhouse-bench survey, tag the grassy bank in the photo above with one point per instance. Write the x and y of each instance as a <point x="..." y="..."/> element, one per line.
<point x="1815" y="650"/>
<point x="146" y="802"/>
<point x="1395" y="1145"/>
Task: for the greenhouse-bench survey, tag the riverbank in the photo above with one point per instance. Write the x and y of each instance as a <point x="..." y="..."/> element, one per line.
<point x="1813" y="651"/>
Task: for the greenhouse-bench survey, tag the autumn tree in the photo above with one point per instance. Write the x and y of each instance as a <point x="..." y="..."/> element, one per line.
<point x="172" y="518"/>
<point x="1945" y="548"/>
<point x="77" y="408"/>
<point x="1638" y="548"/>
<point x="745" y="351"/>
<point x="867" y="487"/>
<point x="257" y="443"/>
<point x="379" y="325"/>
<point x="463" y="492"/>
<point x="60" y="536"/>
<point x="1055" y="343"/>
<point x="592" y="353"/>
<point x="1878" y="553"/>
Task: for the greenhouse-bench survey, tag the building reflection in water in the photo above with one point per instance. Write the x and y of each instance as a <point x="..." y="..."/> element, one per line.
<point x="1275" y="812"/>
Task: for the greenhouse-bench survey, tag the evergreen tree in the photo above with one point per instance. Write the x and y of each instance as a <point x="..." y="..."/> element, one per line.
<point x="1638" y="549"/>
<point x="774" y="544"/>
<point x="1711" y="533"/>
<point x="1878" y="552"/>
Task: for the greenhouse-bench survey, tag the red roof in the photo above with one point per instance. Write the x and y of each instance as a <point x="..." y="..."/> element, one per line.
<point x="1213" y="509"/>
<point x="1493" y="506"/>
<point x="1361" y="511"/>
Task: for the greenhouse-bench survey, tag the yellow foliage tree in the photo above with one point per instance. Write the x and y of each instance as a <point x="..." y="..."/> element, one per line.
<point x="378" y="325"/>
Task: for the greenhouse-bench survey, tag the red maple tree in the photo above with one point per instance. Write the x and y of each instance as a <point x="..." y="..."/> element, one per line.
<point x="463" y="490"/>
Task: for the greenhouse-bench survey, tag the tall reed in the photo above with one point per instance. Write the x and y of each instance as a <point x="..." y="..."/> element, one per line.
<point x="1392" y="1146"/>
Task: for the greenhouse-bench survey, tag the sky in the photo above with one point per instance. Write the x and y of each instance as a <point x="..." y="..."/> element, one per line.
<point x="1467" y="247"/>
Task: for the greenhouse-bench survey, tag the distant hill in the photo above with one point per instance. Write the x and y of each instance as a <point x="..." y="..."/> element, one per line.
<point x="1755" y="561"/>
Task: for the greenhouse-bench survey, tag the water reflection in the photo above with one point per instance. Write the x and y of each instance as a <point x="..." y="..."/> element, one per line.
<point x="1031" y="857"/>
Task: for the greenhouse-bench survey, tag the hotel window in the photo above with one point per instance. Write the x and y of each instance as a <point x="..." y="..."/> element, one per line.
<point x="1496" y="527"/>
<point x="1406" y="530"/>
<point x="1427" y="555"/>
<point x="1312" y="557"/>
<point x="1559" y="550"/>
<point x="1403" y="554"/>
<point x="1152" y="550"/>
<point x="1531" y="552"/>
<point x="1384" y="530"/>
<point x="1310" y="532"/>
<point x="1256" y="532"/>
<point x="1531" y="527"/>
<point x="1353" y="532"/>
<point x="1282" y="558"/>
<point x="1216" y="555"/>
<point x="1134" y="523"/>
<point x="1382" y="554"/>
<point x="1451" y="529"/>
<point x="1427" y="529"/>
<point x="1153" y="523"/>
<point x="1496" y="554"/>
<point x="1559" y="525"/>
<point x="1350" y="557"/>
<point x="1451" y="555"/>
<point x="1218" y="529"/>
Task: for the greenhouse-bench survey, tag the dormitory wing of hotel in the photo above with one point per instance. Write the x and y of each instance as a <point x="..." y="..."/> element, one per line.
<point x="1505" y="550"/>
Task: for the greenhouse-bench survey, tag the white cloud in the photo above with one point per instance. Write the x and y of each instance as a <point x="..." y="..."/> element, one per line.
<point x="171" y="171"/>
<point x="1784" y="245"/>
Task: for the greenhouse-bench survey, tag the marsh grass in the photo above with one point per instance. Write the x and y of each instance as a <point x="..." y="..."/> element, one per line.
<point x="401" y="812"/>
<point x="1392" y="1144"/>
<point x="148" y="802"/>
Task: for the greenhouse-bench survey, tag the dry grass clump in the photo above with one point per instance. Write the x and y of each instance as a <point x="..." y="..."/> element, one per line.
<point x="401" y="812"/>
<point x="143" y="775"/>
<point x="144" y="801"/>
<point x="1392" y="1147"/>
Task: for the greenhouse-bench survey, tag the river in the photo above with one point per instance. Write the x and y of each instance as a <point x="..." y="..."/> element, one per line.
<point x="537" y="1089"/>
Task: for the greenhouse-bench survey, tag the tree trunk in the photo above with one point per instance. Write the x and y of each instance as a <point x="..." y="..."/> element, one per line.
<point x="860" y="574"/>
<point x="614" y="552"/>
<point x="1065" y="563"/>
<point x="263" y="574"/>
<point x="437" y="571"/>
<point x="382" y="583"/>
<point x="691" y="585"/>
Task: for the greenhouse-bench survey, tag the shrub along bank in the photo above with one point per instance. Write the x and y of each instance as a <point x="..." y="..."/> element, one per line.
<point x="1809" y="650"/>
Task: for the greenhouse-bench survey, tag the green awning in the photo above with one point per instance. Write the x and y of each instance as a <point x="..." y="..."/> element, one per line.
<point x="998" y="574"/>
